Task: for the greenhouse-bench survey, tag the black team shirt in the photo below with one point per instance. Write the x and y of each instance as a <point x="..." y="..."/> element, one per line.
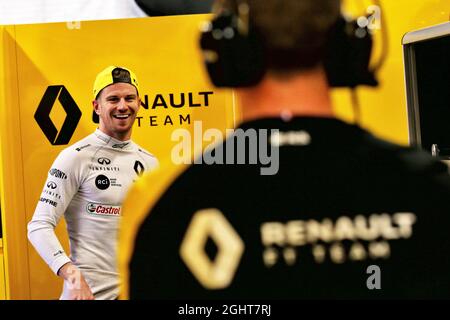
<point x="342" y="201"/>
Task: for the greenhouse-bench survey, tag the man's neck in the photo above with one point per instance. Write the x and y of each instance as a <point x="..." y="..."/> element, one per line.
<point x="116" y="135"/>
<point x="304" y="94"/>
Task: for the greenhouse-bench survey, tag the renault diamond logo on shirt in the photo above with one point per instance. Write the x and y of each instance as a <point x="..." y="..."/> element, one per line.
<point x="42" y="115"/>
<point x="138" y="168"/>
<point x="219" y="273"/>
<point x="104" y="161"/>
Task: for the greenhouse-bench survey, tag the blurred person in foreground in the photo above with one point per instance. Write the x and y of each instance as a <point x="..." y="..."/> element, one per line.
<point x="336" y="213"/>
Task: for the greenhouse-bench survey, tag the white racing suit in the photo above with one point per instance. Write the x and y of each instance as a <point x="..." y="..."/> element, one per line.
<point x="87" y="183"/>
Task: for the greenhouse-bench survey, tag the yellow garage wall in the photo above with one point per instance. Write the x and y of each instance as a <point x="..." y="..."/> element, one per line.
<point x="383" y="109"/>
<point x="15" y="243"/>
<point x="2" y="274"/>
<point x="2" y="269"/>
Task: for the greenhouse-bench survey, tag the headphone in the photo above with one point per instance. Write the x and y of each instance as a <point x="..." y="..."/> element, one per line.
<point x="235" y="57"/>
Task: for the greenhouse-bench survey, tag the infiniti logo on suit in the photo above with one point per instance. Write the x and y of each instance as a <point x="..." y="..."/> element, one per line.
<point x="51" y="185"/>
<point x="104" y="161"/>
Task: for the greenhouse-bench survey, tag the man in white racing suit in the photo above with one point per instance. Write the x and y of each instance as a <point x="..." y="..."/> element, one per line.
<point x="87" y="183"/>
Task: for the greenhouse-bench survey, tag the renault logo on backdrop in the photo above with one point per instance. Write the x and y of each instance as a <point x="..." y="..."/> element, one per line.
<point x="42" y="115"/>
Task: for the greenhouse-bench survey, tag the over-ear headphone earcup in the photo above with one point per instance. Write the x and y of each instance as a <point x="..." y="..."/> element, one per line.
<point x="348" y="54"/>
<point x="232" y="59"/>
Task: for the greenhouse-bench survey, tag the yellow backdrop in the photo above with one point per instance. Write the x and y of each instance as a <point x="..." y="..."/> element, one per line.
<point x="383" y="110"/>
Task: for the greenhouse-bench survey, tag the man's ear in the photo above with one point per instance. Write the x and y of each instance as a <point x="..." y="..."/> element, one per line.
<point x="96" y="107"/>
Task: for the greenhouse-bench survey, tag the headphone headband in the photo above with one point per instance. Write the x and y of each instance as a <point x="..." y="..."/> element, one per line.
<point x="235" y="54"/>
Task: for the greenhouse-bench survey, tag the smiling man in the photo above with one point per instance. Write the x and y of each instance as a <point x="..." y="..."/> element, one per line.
<point x="87" y="183"/>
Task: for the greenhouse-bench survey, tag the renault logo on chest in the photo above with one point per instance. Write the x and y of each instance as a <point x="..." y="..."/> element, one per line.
<point x="138" y="168"/>
<point x="42" y="115"/>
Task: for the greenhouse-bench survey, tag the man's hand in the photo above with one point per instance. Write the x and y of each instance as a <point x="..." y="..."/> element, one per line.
<point x="77" y="285"/>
